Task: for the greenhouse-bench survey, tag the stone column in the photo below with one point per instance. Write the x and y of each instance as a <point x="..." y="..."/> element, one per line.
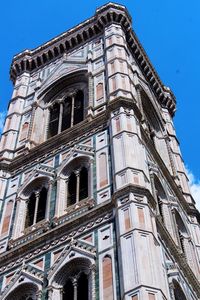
<point x="37" y="195"/>
<point x="31" y="121"/>
<point x="50" y="184"/>
<point x="77" y="173"/>
<point x="66" y="192"/>
<point x="57" y="197"/>
<point x="90" y="179"/>
<point x="171" y="291"/>
<point x="92" y="282"/>
<point x="72" y="114"/>
<point x="75" y="285"/>
<point x="60" y="118"/>
<point x="47" y="124"/>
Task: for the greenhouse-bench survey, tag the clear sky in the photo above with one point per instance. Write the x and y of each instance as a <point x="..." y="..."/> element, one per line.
<point x="168" y="30"/>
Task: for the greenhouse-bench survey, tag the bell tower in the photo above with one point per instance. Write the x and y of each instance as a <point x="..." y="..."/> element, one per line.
<point x="94" y="198"/>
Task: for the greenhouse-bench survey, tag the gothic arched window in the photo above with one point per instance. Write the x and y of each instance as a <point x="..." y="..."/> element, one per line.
<point x="25" y="291"/>
<point x="154" y="126"/>
<point x="36" y="207"/>
<point x="181" y="228"/>
<point x="178" y="292"/>
<point x="74" y="280"/>
<point x="66" y="112"/>
<point x="160" y="195"/>
<point x="76" y="287"/>
<point x="77" y="188"/>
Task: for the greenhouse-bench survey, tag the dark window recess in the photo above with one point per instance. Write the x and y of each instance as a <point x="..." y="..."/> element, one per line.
<point x="30" y="210"/>
<point x="42" y="205"/>
<point x="72" y="189"/>
<point x="54" y="120"/>
<point x="82" y="287"/>
<point x="67" y="113"/>
<point x="41" y="209"/>
<point x="83" y="193"/>
<point x="68" y="291"/>
<point x="78" y="108"/>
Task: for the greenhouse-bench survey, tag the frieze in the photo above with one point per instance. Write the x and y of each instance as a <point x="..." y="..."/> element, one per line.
<point x="49" y="246"/>
<point x="53" y="152"/>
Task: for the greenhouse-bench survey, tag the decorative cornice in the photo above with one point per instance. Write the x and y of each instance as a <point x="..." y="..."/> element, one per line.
<point x="31" y="60"/>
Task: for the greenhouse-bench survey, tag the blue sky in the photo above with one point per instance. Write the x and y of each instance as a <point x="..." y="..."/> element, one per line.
<point x="168" y="30"/>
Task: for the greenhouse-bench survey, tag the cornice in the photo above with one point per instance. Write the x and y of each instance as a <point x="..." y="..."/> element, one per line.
<point x="135" y="189"/>
<point x="31" y="60"/>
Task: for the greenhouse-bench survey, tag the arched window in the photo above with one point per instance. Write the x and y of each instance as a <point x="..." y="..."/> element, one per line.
<point x="74" y="186"/>
<point x="72" y="189"/>
<point x="76" y="287"/>
<point x="181" y="228"/>
<point x="160" y="195"/>
<point x="25" y="291"/>
<point x="178" y="292"/>
<point x="66" y="112"/>
<point x="151" y="118"/>
<point x="54" y="119"/>
<point x="77" y="186"/>
<point x="74" y="280"/>
<point x="36" y="207"/>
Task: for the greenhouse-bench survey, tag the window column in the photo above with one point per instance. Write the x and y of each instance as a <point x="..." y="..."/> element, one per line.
<point x="37" y="197"/>
<point x="66" y="191"/>
<point x="92" y="291"/>
<point x="77" y="185"/>
<point x="49" y="190"/>
<point x="75" y="286"/>
<point x="60" y="117"/>
<point x="47" y="123"/>
<point x="72" y="114"/>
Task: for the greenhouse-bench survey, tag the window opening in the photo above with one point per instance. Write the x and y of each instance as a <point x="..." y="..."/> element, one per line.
<point x="66" y="113"/>
<point x="77" y="186"/>
<point x="36" y="208"/>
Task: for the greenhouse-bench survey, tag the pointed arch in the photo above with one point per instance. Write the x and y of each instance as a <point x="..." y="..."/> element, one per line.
<point x="76" y="168"/>
<point x="180" y="224"/>
<point x="26" y="291"/>
<point x="32" y="205"/>
<point x="178" y="292"/>
<point x="160" y="195"/>
<point x="151" y="115"/>
<point x="74" y="279"/>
